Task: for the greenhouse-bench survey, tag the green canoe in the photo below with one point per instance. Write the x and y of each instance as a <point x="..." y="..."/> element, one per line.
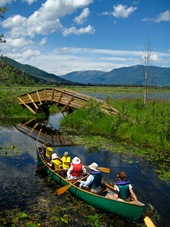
<point x="127" y="210"/>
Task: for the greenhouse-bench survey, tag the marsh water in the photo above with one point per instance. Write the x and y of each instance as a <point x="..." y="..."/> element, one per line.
<point x="27" y="197"/>
<point x="151" y="95"/>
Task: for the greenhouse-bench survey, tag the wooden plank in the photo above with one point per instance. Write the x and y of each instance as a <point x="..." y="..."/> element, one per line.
<point x="52" y="97"/>
<point x="26" y="123"/>
<point x="33" y="129"/>
<point x="59" y="99"/>
<point x="38" y="95"/>
<point x="28" y="107"/>
<point x="45" y="93"/>
<point x="32" y="101"/>
<point x="39" y="134"/>
<point x="71" y="99"/>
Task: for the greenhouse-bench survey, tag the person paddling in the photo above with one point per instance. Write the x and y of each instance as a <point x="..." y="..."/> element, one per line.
<point x="123" y="188"/>
<point x="93" y="182"/>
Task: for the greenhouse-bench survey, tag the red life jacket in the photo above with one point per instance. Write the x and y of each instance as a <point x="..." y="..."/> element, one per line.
<point x="77" y="170"/>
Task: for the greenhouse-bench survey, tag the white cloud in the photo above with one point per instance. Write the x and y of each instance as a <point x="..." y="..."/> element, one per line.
<point x="89" y="29"/>
<point x="18" y="43"/>
<point x="82" y="17"/>
<point x="46" y="20"/>
<point x="20" y="49"/>
<point x="59" y="8"/>
<point x="43" y="41"/>
<point x="5" y="2"/>
<point x="22" y="55"/>
<point x="78" y="59"/>
<point x="122" y="11"/>
<point x="14" y="21"/>
<point x="163" y="17"/>
<point x="29" y="1"/>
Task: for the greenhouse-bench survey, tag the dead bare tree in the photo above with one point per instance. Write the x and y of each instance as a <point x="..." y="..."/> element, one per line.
<point x="147" y="60"/>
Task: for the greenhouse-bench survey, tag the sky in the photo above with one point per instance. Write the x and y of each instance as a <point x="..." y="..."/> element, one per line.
<point x="62" y="36"/>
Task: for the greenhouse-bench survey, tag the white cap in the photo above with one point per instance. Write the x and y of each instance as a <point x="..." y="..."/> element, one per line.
<point x="94" y="166"/>
<point x="76" y="160"/>
<point x="54" y="156"/>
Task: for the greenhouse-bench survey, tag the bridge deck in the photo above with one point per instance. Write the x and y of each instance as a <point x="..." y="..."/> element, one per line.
<point x="65" y="99"/>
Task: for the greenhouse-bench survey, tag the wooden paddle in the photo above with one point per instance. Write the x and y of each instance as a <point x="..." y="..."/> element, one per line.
<point x="102" y="169"/>
<point x="40" y="168"/>
<point x="66" y="187"/>
<point x="148" y="222"/>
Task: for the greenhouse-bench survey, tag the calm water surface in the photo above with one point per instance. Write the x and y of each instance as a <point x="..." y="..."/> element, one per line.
<point x="151" y="95"/>
<point x="21" y="189"/>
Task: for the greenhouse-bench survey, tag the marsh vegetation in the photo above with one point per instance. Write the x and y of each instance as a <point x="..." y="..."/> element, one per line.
<point x="145" y="127"/>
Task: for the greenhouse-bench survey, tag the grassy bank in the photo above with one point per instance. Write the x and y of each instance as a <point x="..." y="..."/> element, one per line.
<point x="10" y="111"/>
<point x="146" y="127"/>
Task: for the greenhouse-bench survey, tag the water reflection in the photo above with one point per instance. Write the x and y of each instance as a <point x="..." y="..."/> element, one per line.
<point x="21" y="189"/>
<point x="43" y="131"/>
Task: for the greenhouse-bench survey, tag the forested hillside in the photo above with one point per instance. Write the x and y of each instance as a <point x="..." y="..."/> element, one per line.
<point x="36" y="73"/>
<point x="10" y="75"/>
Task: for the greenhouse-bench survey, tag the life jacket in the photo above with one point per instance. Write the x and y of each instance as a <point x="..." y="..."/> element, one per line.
<point x="56" y="162"/>
<point x="66" y="162"/>
<point x="123" y="186"/>
<point x="49" y="151"/>
<point x="77" y="170"/>
<point x="97" y="179"/>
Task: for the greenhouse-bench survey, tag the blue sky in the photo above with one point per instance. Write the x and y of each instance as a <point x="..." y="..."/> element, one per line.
<point x="61" y="36"/>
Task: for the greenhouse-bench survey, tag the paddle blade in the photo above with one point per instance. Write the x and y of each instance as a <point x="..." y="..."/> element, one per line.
<point x="104" y="169"/>
<point x="40" y="168"/>
<point x="148" y="222"/>
<point x="62" y="189"/>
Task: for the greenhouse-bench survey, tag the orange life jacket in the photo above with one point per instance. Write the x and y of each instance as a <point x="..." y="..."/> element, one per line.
<point x="77" y="170"/>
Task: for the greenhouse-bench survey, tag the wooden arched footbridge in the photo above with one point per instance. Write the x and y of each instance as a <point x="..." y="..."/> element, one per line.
<point x="66" y="100"/>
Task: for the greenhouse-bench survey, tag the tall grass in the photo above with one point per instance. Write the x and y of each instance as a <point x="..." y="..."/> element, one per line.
<point x="9" y="107"/>
<point x="146" y="127"/>
<point x="90" y="119"/>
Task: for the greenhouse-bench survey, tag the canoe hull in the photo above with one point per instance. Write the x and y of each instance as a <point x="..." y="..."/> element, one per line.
<point x="127" y="210"/>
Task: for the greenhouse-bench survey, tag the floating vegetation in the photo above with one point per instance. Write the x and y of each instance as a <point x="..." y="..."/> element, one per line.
<point x="10" y="151"/>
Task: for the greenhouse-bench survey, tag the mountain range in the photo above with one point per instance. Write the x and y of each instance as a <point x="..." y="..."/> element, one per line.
<point x="133" y="75"/>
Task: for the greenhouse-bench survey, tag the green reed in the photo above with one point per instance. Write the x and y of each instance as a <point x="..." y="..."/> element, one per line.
<point x="146" y="127"/>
